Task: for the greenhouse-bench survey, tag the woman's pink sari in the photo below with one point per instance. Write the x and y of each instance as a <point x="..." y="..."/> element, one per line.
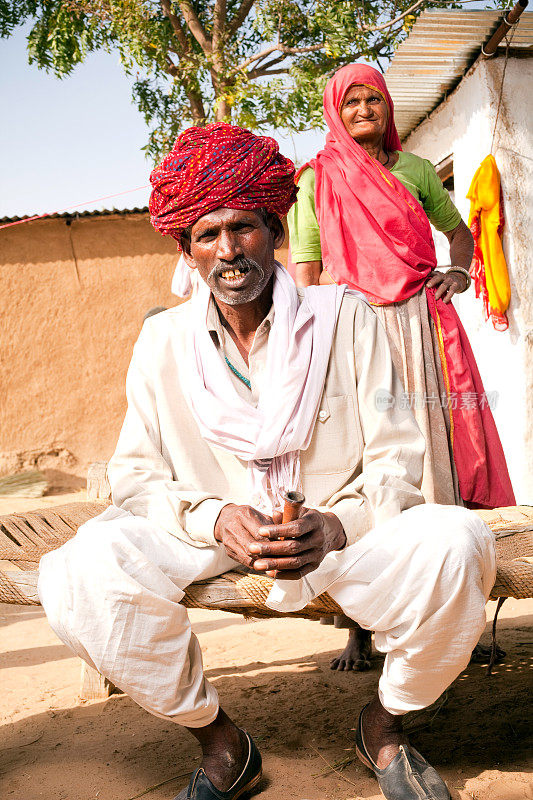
<point x="376" y="237"/>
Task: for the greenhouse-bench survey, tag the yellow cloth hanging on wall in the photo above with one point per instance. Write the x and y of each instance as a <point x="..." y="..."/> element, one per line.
<point x="486" y="221"/>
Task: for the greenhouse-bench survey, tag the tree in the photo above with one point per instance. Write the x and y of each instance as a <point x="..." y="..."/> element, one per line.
<point x="258" y="63"/>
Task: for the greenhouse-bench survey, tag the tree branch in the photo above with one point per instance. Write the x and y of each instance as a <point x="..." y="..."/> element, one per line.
<point x="194" y="97"/>
<point x="176" y="26"/>
<point x="257" y="57"/>
<point x="172" y="69"/>
<point x="287" y="51"/>
<point x="370" y="28"/>
<point x="195" y="26"/>
<point x="414" y="7"/>
<point x="272" y="62"/>
<point x="260" y="73"/>
<point x="197" y="107"/>
<point x="219" y="22"/>
<point x="240" y="16"/>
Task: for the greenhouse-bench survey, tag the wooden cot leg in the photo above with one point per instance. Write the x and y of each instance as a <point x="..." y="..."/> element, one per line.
<point x="342" y="621"/>
<point x="93" y="685"/>
<point x="339" y="620"/>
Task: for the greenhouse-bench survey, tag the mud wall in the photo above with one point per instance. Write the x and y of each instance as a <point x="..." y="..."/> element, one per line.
<point x="72" y="300"/>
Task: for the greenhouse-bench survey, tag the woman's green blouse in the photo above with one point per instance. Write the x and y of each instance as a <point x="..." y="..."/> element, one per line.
<point x="417" y="175"/>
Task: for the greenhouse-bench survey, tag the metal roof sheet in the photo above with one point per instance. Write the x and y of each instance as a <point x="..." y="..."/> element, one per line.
<point x="75" y="214"/>
<point x="440" y="48"/>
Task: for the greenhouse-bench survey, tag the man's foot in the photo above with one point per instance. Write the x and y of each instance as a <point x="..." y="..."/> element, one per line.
<point x="356" y="654"/>
<point x="202" y="788"/>
<point x="383" y="733"/>
<point x="225" y="751"/>
<point x="224" y="763"/>
<point x="481" y="654"/>
<point x="402" y="773"/>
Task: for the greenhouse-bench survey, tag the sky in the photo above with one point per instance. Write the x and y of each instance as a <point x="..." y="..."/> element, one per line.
<point x="71" y="141"/>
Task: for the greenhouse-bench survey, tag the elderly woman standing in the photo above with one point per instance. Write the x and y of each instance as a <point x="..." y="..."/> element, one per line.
<point x="362" y="218"/>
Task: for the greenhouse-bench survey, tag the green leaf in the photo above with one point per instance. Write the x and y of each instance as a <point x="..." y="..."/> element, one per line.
<point x="175" y="83"/>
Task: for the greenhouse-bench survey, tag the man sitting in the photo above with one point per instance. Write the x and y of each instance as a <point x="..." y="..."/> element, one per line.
<point x="250" y="389"/>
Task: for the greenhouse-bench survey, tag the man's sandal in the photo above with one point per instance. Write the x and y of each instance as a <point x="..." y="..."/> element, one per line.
<point x="201" y="788"/>
<point x="407" y="777"/>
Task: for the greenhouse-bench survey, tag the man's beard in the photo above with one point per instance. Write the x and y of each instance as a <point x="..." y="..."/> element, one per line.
<point x="238" y="296"/>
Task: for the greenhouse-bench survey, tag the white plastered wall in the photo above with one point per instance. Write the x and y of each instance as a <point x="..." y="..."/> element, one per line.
<point x="463" y="126"/>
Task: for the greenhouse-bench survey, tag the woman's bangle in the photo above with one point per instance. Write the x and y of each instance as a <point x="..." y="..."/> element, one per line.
<point x="462" y="271"/>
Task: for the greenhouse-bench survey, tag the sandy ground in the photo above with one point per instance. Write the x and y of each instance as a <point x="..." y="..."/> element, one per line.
<point x="273" y="677"/>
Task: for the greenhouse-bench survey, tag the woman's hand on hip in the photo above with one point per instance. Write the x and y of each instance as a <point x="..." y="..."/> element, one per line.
<point x="447" y="283"/>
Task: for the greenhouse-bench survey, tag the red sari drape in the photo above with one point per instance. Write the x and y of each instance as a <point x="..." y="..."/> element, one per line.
<point x="376" y="237"/>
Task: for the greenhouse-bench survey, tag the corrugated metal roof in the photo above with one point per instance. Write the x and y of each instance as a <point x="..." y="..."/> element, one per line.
<point x="441" y="46"/>
<point x="75" y="214"/>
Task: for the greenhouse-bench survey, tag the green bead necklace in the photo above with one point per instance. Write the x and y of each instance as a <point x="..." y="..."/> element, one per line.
<point x="237" y="373"/>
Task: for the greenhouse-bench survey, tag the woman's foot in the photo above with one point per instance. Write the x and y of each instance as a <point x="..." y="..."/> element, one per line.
<point x="356" y="654"/>
<point x="481" y="654"/>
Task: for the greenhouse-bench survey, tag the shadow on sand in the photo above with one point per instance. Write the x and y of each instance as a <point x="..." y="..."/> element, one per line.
<point x="301" y="715"/>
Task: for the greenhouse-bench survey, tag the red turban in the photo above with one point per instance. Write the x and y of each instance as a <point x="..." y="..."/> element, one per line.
<point x="219" y="166"/>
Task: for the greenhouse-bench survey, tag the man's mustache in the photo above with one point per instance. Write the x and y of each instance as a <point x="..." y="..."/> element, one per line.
<point x="238" y="263"/>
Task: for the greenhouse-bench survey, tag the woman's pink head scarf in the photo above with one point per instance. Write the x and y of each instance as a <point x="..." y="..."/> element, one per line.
<point x="375" y="235"/>
<point x="335" y="92"/>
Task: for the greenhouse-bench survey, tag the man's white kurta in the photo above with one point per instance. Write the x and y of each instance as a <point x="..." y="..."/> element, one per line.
<point x="419" y="579"/>
<point x="364" y="462"/>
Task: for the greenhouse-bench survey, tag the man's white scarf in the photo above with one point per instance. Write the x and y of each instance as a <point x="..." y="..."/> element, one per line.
<point x="270" y="436"/>
<point x="182" y="281"/>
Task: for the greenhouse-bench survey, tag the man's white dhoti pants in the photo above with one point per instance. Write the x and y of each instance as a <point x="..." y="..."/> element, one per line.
<point x="420" y="581"/>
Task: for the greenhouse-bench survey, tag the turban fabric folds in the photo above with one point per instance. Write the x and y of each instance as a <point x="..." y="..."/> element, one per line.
<point x="219" y="166"/>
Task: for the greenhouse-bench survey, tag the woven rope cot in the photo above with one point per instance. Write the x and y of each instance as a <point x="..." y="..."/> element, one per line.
<point x="25" y="537"/>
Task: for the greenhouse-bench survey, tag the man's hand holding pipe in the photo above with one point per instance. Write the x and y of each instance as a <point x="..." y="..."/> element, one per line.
<point x="287" y="551"/>
<point x="292" y="550"/>
<point x="237" y="528"/>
